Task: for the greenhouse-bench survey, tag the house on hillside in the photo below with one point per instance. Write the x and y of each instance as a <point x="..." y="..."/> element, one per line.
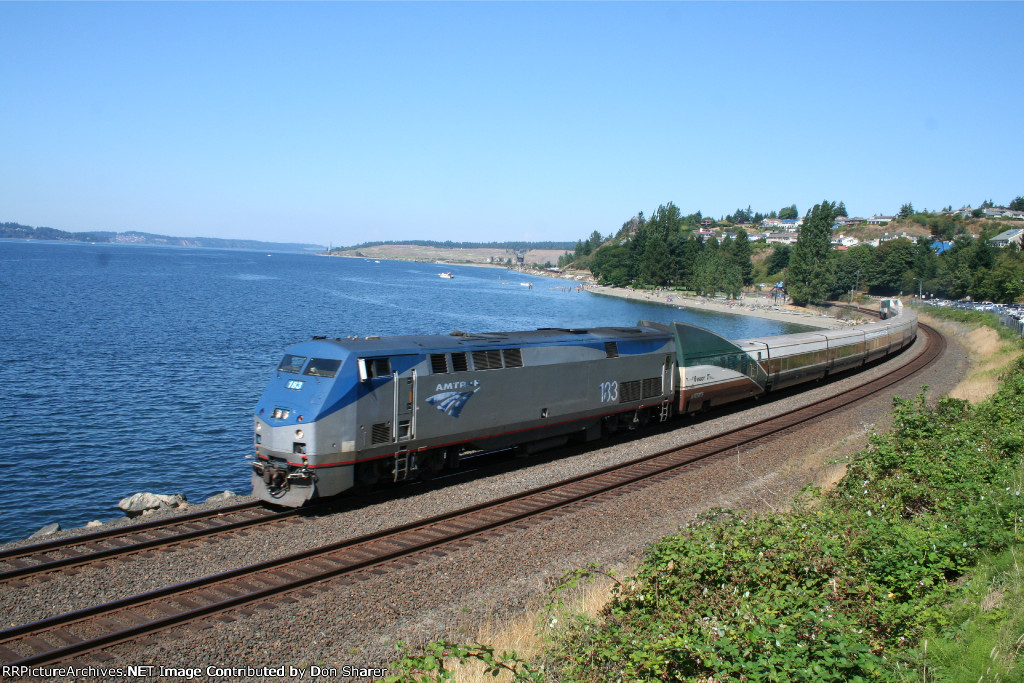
<point x="844" y="241"/>
<point x="902" y="235"/>
<point x="782" y="237"/>
<point x="1005" y="239"/>
<point x="880" y="220"/>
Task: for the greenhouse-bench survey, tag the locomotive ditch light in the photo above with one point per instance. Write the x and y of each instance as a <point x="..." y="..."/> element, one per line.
<point x="298" y="433"/>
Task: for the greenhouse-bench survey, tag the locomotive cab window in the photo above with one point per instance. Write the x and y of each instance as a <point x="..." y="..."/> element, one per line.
<point x="370" y="368"/>
<point x="323" y="367"/>
<point x="292" y="364"/>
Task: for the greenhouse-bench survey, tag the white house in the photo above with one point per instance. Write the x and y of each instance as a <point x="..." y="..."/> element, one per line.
<point x="783" y="237"/>
<point x="1005" y="239"/>
<point x="844" y="241"/>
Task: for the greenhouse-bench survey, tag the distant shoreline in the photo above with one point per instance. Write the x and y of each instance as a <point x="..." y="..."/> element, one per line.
<point x="753" y="306"/>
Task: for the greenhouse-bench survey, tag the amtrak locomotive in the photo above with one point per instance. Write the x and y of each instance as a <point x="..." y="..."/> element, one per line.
<point x="345" y="413"/>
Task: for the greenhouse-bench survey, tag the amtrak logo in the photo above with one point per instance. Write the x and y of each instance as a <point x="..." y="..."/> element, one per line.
<point x="452" y="401"/>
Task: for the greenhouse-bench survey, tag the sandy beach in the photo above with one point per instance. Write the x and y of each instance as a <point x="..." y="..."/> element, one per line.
<point x="751" y="305"/>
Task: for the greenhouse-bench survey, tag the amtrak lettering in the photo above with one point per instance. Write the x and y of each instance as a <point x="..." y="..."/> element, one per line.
<point x="448" y="386"/>
<point x="451" y="402"/>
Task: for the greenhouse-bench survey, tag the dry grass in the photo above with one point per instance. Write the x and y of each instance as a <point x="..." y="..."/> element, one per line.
<point x="526" y="634"/>
<point x="990" y="357"/>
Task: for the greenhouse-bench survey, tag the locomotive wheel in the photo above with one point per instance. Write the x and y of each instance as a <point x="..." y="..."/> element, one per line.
<point x="431" y="465"/>
<point x="367" y="475"/>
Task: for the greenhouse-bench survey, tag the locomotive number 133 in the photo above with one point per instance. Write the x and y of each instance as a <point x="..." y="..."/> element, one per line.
<point x="609" y="392"/>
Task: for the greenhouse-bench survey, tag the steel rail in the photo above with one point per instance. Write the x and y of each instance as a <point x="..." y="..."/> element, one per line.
<point x="20" y="558"/>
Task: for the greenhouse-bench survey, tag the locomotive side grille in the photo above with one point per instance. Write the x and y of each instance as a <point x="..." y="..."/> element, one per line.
<point x="381" y="433"/>
<point x="487" y="360"/>
<point x="459" y="363"/>
<point x="513" y="358"/>
<point x="611" y="349"/>
<point x="652" y="387"/>
<point x="629" y="391"/>
<point x="438" y="363"/>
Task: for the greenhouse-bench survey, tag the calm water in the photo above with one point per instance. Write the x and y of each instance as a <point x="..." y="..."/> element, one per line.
<point x="126" y="369"/>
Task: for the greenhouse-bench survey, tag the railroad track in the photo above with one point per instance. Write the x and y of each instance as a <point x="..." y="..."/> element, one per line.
<point x="67" y="553"/>
<point x="239" y="592"/>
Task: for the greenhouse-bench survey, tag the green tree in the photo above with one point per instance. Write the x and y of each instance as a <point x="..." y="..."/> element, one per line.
<point x="907" y="210"/>
<point x="713" y="272"/>
<point x="852" y="269"/>
<point x="1017" y="204"/>
<point x="809" y="277"/>
<point x="841" y="210"/>
<point x="778" y="260"/>
<point x="612" y="265"/>
<point x="893" y="263"/>
<point x="666" y="221"/>
<point x="742" y="254"/>
<point x="654" y="266"/>
<point x="788" y="213"/>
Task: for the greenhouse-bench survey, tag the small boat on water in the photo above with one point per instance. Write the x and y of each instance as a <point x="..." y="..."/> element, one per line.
<point x="446" y="275"/>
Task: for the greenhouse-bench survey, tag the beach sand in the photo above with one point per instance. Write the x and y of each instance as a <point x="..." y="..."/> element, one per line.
<point x="751" y="305"/>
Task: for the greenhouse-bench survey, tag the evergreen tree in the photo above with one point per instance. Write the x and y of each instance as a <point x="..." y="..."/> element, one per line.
<point x="654" y="266"/>
<point x="841" y="210"/>
<point x="742" y="254"/>
<point x="810" y="271"/>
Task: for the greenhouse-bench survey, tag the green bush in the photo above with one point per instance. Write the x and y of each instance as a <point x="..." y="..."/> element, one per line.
<point x="839" y="589"/>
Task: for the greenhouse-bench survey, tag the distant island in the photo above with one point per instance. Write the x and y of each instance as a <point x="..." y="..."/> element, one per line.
<point x="25" y="232"/>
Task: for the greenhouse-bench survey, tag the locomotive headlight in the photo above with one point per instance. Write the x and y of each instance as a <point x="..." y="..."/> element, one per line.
<point x="277" y="413"/>
<point x="298" y="433"/>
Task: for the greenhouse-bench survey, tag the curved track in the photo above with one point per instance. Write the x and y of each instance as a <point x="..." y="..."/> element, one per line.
<point x="240" y="591"/>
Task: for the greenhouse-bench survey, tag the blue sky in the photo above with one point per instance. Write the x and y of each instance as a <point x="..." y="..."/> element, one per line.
<point x="347" y="122"/>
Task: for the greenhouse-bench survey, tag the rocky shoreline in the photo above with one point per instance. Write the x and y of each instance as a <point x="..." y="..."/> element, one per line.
<point x="142" y="504"/>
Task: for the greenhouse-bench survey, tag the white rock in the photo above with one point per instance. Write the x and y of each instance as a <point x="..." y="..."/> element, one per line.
<point x="48" y="530"/>
<point x="221" y="497"/>
<point x="174" y="500"/>
<point x="137" y="504"/>
<point x="93" y="523"/>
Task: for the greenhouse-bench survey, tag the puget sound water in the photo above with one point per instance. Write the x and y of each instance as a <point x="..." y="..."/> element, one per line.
<point x="132" y="368"/>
